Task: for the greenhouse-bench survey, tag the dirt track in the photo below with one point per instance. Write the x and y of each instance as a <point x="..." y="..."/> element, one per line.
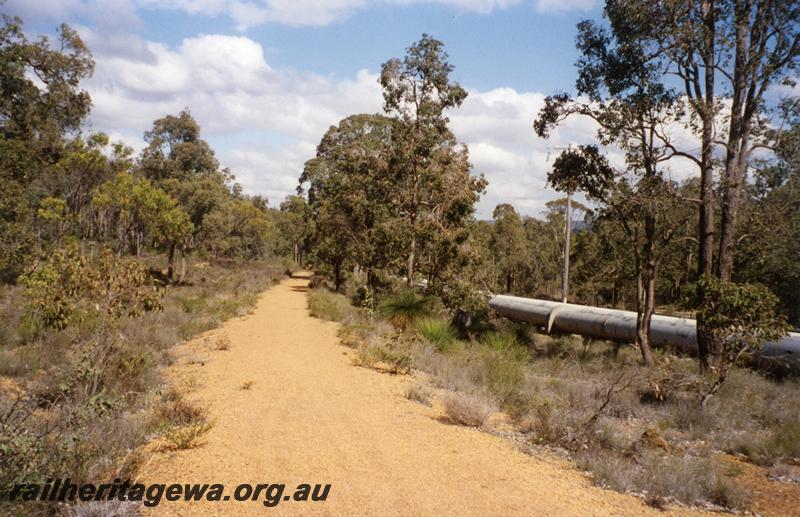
<point x="312" y="417"/>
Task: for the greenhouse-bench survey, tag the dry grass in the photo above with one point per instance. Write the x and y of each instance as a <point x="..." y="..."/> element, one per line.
<point x="222" y="343"/>
<point x="175" y="411"/>
<point x="784" y="473"/>
<point x="636" y="429"/>
<point x="103" y="509"/>
<point x="187" y="437"/>
<point x="327" y="305"/>
<point x="419" y="394"/>
<point x="91" y="392"/>
<point x="466" y="409"/>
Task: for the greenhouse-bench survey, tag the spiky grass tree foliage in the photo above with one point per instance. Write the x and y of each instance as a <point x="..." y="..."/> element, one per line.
<point x="405" y="307"/>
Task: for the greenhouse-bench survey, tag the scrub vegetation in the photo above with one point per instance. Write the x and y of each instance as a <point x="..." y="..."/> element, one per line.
<point x="634" y="428"/>
<point x="109" y="257"/>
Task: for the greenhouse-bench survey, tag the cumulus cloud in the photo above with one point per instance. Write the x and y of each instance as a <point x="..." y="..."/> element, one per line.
<point x="112" y="15"/>
<point x="231" y="89"/>
<point x="300" y="13"/>
<point x="561" y="6"/>
<point x="265" y="122"/>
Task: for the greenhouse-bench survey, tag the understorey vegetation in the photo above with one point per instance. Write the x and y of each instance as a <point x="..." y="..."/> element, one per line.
<point x="108" y="259"/>
<point x="391" y="233"/>
<point x="82" y="399"/>
<point x="633" y="428"/>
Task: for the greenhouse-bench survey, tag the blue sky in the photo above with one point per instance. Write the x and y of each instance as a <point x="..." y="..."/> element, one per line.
<point x="266" y="78"/>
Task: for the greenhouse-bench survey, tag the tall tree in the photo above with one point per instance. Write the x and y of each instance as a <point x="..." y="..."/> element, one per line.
<point x="180" y="162"/>
<point x="41" y="110"/>
<point x="727" y="54"/>
<point x="436" y="191"/>
<point x="349" y="192"/>
<point x="625" y="97"/>
<point x="509" y="247"/>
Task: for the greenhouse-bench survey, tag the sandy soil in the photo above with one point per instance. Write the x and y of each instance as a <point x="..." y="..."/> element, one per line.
<point x="310" y="416"/>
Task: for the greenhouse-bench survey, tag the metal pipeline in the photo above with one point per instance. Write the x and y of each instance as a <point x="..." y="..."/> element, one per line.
<point x="618" y="325"/>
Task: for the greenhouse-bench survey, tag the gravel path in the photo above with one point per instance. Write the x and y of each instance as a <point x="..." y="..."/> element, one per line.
<point x="310" y="416"/>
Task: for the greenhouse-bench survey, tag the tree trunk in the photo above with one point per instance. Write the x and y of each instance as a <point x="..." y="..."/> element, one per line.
<point x="644" y="313"/>
<point x="171" y="264"/>
<point x="410" y="263"/>
<point x="567" y="234"/>
<point x="743" y="104"/>
<point x="731" y="204"/>
<point x="337" y="275"/>
<point x="646" y="291"/>
<point x="705" y="254"/>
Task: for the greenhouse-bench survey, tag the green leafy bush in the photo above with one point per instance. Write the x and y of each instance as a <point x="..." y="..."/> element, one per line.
<point x="438" y="332"/>
<point x="328" y="305"/>
<point x="405" y="307"/>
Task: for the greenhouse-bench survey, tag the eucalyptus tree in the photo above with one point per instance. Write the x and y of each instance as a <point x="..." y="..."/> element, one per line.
<point x="349" y="196"/>
<point x="726" y="55"/>
<point x="41" y="111"/>
<point x="620" y="89"/>
<point x="435" y="192"/>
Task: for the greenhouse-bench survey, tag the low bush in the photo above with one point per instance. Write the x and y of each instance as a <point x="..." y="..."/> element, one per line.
<point x="637" y="429"/>
<point x="664" y="478"/>
<point x="419" y="394"/>
<point x="437" y="332"/>
<point x="79" y="395"/>
<point x="405" y="307"/>
<point x="467" y="409"/>
<point x="328" y="305"/>
<point x="187" y="437"/>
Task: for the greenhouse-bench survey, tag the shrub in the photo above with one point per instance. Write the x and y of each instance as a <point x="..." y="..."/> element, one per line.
<point x="103" y="509"/>
<point x="733" y="320"/>
<point x="385" y="356"/>
<point x="405" y="307"/>
<point x="174" y="411"/>
<point x="437" y="332"/>
<point x="88" y="392"/>
<point x="686" y="479"/>
<point x="781" y="443"/>
<point x="466" y="409"/>
<point x="419" y="394"/>
<point x="507" y="344"/>
<point x="328" y="305"/>
<point x="187" y="437"/>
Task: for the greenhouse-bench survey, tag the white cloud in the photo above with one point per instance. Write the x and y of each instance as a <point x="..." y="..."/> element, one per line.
<point x="300" y="13"/>
<point x="266" y="122"/>
<point x="561" y="6"/>
<point x="233" y="92"/>
<point x="112" y="15"/>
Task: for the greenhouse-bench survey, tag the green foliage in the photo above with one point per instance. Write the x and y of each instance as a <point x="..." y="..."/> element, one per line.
<point x="141" y="209"/>
<point x="328" y="305"/>
<point x="175" y="150"/>
<point x="438" y="332"/>
<point x="67" y="287"/>
<point x="238" y="228"/>
<point x="582" y="169"/>
<point x="738" y="317"/>
<point x="394" y="195"/>
<point x="510" y="247"/>
<point x="405" y="307"/>
<point x="505" y="343"/>
<point x="39" y="118"/>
